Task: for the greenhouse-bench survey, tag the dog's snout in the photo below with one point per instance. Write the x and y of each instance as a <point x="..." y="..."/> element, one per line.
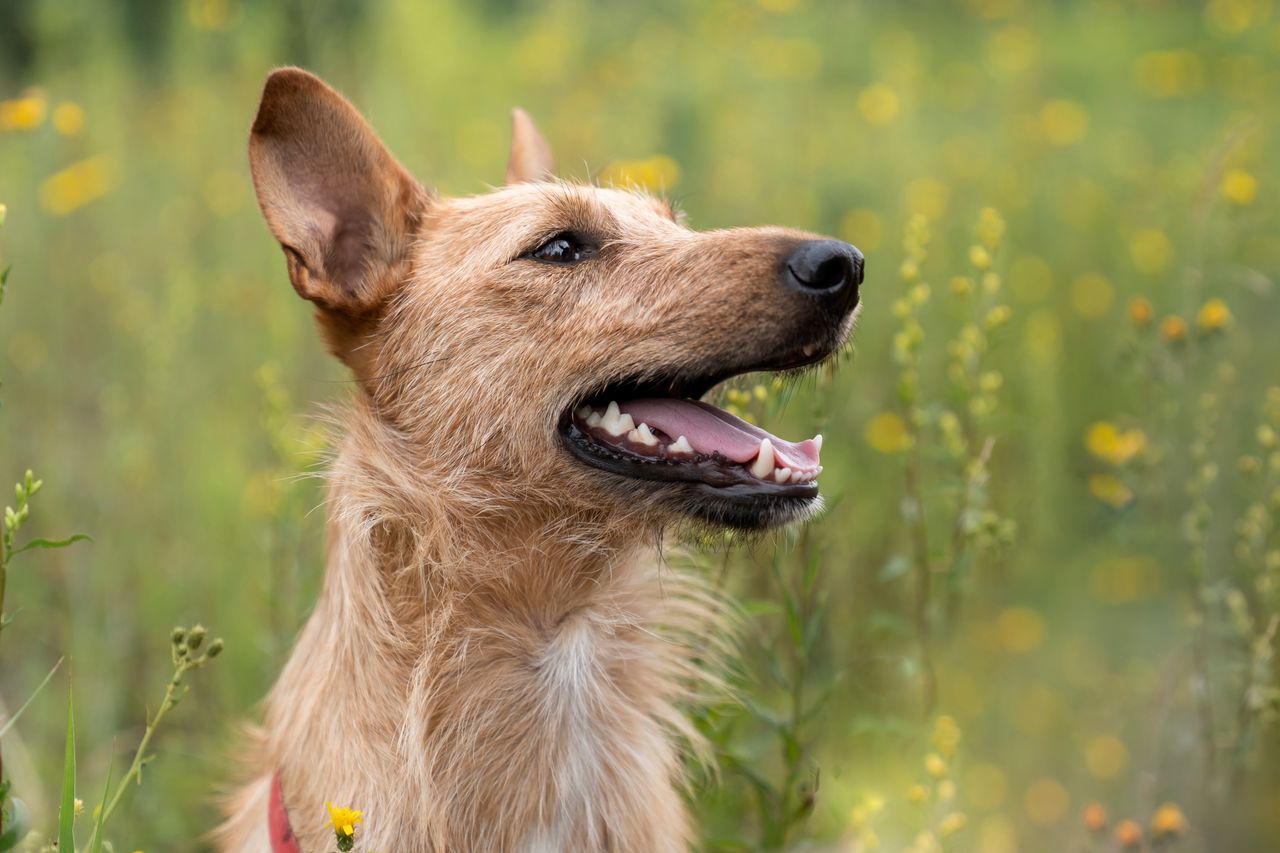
<point x="828" y="269"/>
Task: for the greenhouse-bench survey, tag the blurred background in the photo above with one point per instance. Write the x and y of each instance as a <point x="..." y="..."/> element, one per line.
<point x="1040" y="612"/>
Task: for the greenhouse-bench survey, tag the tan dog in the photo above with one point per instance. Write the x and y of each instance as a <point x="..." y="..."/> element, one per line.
<point x="496" y="659"/>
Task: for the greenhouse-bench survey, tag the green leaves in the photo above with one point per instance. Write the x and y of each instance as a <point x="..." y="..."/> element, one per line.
<point x="51" y="543"/>
<point x="67" y="806"/>
<point x="8" y="724"/>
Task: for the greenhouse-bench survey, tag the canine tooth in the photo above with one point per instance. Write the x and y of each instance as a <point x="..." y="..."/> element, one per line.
<point x="763" y="466"/>
<point x="625" y="423"/>
<point x="642" y="435"/>
<point x="681" y="445"/>
<point x="615" y="423"/>
<point x="783" y="475"/>
<point x="817" y="441"/>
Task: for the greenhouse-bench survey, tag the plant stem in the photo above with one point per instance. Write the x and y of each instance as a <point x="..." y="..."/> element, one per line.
<point x="140" y="755"/>
<point x="924" y="586"/>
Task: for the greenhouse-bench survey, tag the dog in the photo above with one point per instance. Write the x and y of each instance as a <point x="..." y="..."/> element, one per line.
<point x="498" y="659"/>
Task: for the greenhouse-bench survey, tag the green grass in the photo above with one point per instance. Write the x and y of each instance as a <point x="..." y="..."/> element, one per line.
<point x="160" y="373"/>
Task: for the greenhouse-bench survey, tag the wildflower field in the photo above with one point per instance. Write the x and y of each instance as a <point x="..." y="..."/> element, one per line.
<point x="1041" y="610"/>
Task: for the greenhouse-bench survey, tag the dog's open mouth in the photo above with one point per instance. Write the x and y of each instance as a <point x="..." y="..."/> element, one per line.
<point x="664" y="432"/>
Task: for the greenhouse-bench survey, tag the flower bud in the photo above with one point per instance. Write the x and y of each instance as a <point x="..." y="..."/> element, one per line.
<point x="196" y="637"/>
<point x="215" y="648"/>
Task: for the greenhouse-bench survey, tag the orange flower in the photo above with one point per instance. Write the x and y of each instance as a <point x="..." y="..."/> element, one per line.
<point x="1140" y="311"/>
<point x="1173" y="329"/>
<point x="1168" y="822"/>
<point x="1128" y="835"/>
<point x="1095" y="817"/>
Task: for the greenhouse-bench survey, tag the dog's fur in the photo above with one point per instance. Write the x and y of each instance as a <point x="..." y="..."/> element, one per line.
<point x="496" y="661"/>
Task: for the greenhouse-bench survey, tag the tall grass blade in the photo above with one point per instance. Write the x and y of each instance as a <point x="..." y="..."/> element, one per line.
<point x="8" y="724"/>
<point x="67" y="808"/>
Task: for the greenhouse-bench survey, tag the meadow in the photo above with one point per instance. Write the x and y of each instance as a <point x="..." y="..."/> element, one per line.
<point x="1040" y="611"/>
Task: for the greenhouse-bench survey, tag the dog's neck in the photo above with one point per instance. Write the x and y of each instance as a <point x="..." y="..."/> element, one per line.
<point x="486" y="677"/>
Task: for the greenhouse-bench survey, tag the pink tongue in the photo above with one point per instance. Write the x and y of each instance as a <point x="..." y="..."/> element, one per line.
<point x="712" y="430"/>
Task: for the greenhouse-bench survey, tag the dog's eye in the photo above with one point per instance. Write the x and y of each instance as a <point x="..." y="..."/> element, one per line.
<point x="564" y="248"/>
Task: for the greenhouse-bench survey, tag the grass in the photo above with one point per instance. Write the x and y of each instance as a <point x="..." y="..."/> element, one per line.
<point x="1048" y="577"/>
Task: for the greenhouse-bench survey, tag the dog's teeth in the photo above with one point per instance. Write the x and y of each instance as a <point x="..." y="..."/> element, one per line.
<point x="763" y="466"/>
<point x="615" y="423"/>
<point x="817" y="441"/>
<point x="583" y="412"/>
<point x="594" y="419"/>
<point x="680" y="445"/>
<point x="799" y="476"/>
<point x="642" y="435"/>
<point x="783" y="475"/>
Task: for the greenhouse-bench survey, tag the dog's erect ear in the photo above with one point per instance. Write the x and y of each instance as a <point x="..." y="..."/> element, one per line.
<point x="531" y="158"/>
<point x="341" y="206"/>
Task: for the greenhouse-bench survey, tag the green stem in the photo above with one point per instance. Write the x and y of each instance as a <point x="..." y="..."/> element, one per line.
<point x="140" y="755"/>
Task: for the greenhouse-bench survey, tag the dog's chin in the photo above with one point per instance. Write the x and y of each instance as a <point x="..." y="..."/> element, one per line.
<point x="668" y="447"/>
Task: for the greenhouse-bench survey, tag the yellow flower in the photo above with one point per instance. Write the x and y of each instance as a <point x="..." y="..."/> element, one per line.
<point x="1128" y="835"/>
<point x="1173" y="329"/>
<point x="1213" y="315"/>
<point x="980" y="257"/>
<point x="946" y="790"/>
<point x="1095" y="817"/>
<point x="25" y="113"/>
<point x="1140" y="311"/>
<point x="1063" y="122"/>
<point x="1151" y="250"/>
<point x="658" y="173"/>
<point x="1105" y="441"/>
<point x="935" y="764"/>
<point x="878" y="104"/>
<point x="946" y="733"/>
<point x="1239" y="187"/>
<point x="918" y="794"/>
<point x="951" y="824"/>
<point x="344" y="820"/>
<point x="68" y="118"/>
<point x="1111" y="490"/>
<point x="1168" y="821"/>
<point x="78" y="808"/>
<point x="887" y="433"/>
<point x="78" y="184"/>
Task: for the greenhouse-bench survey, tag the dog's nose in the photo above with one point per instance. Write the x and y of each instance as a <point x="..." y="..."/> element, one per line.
<point x="827" y="269"/>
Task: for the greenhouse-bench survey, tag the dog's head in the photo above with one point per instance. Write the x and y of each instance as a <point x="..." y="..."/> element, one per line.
<point x="553" y="340"/>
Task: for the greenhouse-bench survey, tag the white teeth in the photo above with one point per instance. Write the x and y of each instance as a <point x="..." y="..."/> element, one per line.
<point x="594" y="419"/>
<point x="783" y="475"/>
<point x="680" y="445"/>
<point x="642" y="435"/>
<point x="763" y="466"/>
<point x="615" y="423"/>
<point x="817" y="441"/>
<point x="800" y="476"/>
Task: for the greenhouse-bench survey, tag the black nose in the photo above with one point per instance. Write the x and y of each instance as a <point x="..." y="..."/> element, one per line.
<point x="827" y="269"/>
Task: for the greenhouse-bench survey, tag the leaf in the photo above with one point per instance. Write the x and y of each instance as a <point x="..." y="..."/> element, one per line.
<point x="52" y="543"/>
<point x="67" y="809"/>
<point x="8" y="724"/>
<point x="96" y="847"/>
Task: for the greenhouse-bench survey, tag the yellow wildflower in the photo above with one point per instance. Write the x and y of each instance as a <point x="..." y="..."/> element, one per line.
<point x="1106" y="441"/>
<point x="946" y="733"/>
<point x="878" y="104"/>
<point x="1140" y="311"/>
<point x="887" y="433"/>
<point x="936" y="765"/>
<point x="1173" y="329"/>
<point x="918" y="793"/>
<point x="78" y="184"/>
<point x="1239" y="187"/>
<point x="343" y="819"/>
<point x="1213" y="316"/>
<point x="68" y="118"/>
<point x="78" y="808"/>
<point x="24" y="113"/>
<point x="1063" y="122"/>
<point x="1168" y="822"/>
<point x="658" y="173"/>
<point x="980" y="257"/>
<point x="946" y="790"/>
<point x="1111" y="490"/>
<point x="1151" y="250"/>
<point x="951" y="824"/>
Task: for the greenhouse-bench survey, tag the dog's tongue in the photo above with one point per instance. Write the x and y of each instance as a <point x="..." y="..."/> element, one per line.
<point x="711" y="430"/>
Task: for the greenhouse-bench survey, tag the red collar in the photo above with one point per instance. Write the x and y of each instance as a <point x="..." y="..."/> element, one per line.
<point x="282" y="838"/>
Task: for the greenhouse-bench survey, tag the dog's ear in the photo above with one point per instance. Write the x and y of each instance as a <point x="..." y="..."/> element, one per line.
<point x="341" y="206"/>
<point x="531" y="159"/>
